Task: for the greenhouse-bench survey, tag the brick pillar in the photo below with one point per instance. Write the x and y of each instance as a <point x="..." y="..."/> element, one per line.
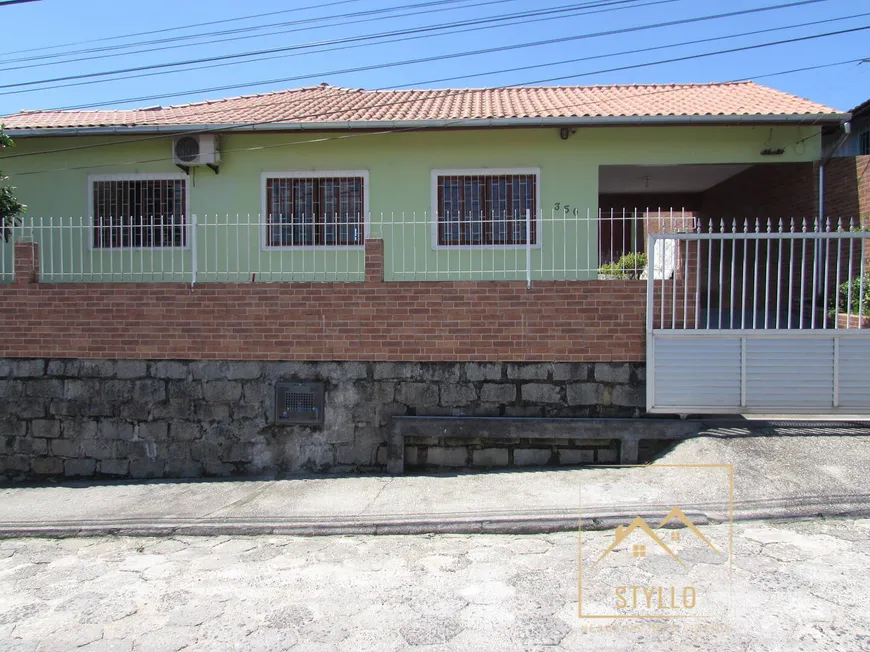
<point x="26" y="262"/>
<point x="374" y="261"/>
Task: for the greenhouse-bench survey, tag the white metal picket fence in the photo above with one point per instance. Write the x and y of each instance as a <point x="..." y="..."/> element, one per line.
<point x="761" y="316"/>
<point x="565" y="244"/>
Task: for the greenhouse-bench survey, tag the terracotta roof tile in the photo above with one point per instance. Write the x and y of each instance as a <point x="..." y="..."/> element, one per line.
<point x="331" y="104"/>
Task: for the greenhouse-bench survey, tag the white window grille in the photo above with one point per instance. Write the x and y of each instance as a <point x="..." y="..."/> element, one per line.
<point x="486" y="208"/>
<point x="314" y="209"/>
<point x="138" y="211"/>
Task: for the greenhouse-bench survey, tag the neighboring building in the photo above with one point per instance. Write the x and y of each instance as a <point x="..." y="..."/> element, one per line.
<point x="847" y="173"/>
<point x="419" y="252"/>
<point x="858" y="142"/>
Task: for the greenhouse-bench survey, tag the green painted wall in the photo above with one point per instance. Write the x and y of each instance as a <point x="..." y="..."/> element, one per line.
<point x="399" y="167"/>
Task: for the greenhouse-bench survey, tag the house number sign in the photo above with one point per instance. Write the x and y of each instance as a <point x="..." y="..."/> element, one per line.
<point x="566" y="208"/>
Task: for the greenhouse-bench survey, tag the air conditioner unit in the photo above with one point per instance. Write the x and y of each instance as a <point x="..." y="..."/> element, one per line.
<point x="199" y="149"/>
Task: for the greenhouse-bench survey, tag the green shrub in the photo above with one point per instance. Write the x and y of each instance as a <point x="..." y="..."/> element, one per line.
<point x="860" y="305"/>
<point x="630" y="266"/>
<point x="10" y="207"/>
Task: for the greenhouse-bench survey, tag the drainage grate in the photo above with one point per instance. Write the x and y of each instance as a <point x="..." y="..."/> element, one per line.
<point x="299" y="403"/>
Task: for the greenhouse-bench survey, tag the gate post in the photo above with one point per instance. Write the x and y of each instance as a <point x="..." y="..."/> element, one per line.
<point x="650" y="307"/>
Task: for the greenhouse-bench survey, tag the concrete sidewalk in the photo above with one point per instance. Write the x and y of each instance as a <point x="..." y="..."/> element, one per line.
<point x="795" y="471"/>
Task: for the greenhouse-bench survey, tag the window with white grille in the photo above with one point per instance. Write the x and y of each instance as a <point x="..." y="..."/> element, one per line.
<point x="307" y="210"/>
<point x="489" y="209"/>
<point x="139" y="212"/>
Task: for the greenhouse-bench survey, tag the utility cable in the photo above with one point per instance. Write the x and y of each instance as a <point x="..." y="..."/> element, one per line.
<point x="456" y="55"/>
<point x="362" y="38"/>
<point x="340" y="19"/>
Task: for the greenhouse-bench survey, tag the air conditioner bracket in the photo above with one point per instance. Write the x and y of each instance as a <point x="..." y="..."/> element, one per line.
<point x="186" y="168"/>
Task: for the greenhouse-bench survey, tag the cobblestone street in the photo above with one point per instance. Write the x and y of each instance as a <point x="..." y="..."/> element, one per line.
<point x="799" y="585"/>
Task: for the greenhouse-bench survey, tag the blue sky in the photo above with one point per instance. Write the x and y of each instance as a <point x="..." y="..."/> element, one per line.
<point x="58" y="22"/>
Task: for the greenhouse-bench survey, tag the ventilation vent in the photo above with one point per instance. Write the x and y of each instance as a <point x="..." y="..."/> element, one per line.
<point x="299" y="403"/>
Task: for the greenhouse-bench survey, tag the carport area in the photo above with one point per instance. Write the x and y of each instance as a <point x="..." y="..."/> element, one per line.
<point x="753" y="305"/>
<point x="637" y="200"/>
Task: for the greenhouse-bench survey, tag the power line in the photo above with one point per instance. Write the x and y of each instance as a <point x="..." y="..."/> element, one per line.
<point x="661" y="47"/>
<point x="218" y="129"/>
<point x="357" y="39"/>
<point x="691" y="57"/>
<point x="303" y="46"/>
<point x="312" y="75"/>
<point x="362" y="38"/>
<point x="15" y="2"/>
<point x="467" y="53"/>
<point x="182" y="27"/>
<point x="457" y="121"/>
<point x="335" y="17"/>
<point x="340" y="48"/>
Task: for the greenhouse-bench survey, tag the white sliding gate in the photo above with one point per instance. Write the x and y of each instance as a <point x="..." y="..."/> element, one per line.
<point x="760" y="317"/>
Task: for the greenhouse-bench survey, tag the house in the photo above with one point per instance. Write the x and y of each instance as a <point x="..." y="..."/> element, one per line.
<point x="190" y="281"/>
<point x="406" y="153"/>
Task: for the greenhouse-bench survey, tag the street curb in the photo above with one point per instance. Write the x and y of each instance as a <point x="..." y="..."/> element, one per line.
<point x="477" y="524"/>
<point x="202" y="527"/>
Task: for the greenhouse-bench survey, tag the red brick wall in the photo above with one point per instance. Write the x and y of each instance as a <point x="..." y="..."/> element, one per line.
<point x="766" y="190"/>
<point x="783" y="190"/>
<point x="847" y="195"/>
<point x="552" y="321"/>
<point x="847" y="187"/>
<point x="596" y="321"/>
<point x="862" y="169"/>
<point x="787" y="192"/>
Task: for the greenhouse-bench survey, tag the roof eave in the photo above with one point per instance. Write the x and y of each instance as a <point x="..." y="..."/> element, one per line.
<point x="799" y="118"/>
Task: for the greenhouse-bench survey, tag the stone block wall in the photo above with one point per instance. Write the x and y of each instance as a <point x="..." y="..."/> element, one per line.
<point x="172" y="418"/>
